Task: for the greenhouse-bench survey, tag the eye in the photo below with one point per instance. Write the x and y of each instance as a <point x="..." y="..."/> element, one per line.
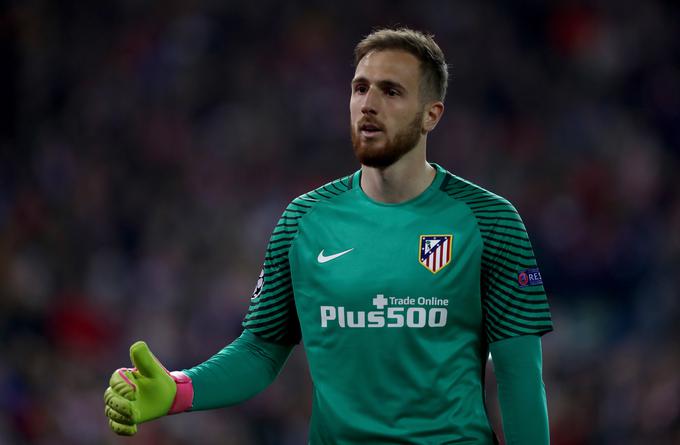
<point x="360" y="88"/>
<point x="392" y="92"/>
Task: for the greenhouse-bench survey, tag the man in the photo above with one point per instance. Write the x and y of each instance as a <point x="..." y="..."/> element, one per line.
<point x="400" y="279"/>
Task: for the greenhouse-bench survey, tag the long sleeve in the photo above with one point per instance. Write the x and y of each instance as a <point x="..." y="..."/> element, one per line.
<point x="518" y="367"/>
<point x="238" y="372"/>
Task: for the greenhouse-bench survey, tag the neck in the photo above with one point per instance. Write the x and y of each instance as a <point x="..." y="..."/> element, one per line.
<point x="401" y="181"/>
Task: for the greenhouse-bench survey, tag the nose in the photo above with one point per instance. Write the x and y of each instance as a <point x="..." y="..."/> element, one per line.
<point x="370" y="103"/>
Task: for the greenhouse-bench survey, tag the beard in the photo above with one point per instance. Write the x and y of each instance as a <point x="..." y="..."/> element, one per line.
<point x="392" y="150"/>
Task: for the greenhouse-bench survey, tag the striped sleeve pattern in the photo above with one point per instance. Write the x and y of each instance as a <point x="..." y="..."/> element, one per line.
<point x="510" y="310"/>
<point x="272" y="314"/>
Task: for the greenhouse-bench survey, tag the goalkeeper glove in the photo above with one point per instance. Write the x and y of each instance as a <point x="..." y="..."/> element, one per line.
<point x="146" y="392"/>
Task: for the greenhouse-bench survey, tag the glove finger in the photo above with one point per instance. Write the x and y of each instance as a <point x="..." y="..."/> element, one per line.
<point x="121" y="382"/>
<point x="108" y="394"/>
<point x="123" y="430"/>
<point x="118" y="417"/>
<point x="118" y="403"/>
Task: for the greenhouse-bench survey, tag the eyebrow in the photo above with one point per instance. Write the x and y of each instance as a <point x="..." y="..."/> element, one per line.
<point x="381" y="83"/>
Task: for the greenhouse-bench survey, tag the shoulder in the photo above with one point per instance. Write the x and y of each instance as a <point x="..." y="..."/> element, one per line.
<point x="494" y="214"/>
<point x="476" y="197"/>
<point x="320" y="196"/>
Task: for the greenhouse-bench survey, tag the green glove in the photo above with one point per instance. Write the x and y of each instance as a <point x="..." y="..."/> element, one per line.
<point x="146" y="392"/>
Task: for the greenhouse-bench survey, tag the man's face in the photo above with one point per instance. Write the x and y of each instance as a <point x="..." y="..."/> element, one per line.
<point x="385" y="108"/>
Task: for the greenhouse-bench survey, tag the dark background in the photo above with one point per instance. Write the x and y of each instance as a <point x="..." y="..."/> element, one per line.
<point x="148" y="148"/>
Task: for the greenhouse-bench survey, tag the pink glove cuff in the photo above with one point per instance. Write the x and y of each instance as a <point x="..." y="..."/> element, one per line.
<point x="184" y="397"/>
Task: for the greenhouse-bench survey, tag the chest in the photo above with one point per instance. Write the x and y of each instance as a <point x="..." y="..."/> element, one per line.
<point x="420" y="263"/>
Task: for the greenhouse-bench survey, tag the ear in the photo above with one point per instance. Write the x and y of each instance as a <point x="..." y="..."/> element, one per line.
<point x="433" y="112"/>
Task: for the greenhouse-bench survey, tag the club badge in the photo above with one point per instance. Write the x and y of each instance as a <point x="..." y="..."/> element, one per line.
<point x="435" y="251"/>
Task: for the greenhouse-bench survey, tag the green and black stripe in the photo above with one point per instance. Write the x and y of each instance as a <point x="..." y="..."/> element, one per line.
<point x="272" y="314"/>
<point x="509" y="310"/>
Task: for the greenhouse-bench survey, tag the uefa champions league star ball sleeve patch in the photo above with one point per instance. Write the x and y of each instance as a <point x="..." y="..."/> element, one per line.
<point x="258" y="287"/>
<point x="435" y="251"/>
<point x="529" y="277"/>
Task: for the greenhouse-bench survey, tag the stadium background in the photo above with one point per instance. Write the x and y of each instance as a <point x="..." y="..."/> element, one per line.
<point x="147" y="149"/>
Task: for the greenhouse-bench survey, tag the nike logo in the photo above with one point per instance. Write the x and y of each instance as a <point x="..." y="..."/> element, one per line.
<point x="324" y="259"/>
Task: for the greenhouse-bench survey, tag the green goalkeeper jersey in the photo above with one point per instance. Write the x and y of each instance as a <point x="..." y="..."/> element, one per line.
<point x="396" y="305"/>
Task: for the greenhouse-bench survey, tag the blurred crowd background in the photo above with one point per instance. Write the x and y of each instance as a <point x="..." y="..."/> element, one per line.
<point x="148" y="148"/>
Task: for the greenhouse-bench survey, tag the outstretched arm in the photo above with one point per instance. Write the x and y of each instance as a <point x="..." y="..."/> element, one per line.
<point x="517" y="364"/>
<point x="148" y="391"/>
<point x="238" y="372"/>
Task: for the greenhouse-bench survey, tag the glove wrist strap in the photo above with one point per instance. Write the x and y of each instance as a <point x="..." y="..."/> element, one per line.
<point x="184" y="397"/>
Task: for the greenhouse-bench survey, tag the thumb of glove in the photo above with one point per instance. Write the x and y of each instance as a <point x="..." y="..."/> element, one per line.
<point x="145" y="362"/>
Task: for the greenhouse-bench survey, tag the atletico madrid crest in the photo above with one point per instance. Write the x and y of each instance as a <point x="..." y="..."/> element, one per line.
<point x="435" y="251"/>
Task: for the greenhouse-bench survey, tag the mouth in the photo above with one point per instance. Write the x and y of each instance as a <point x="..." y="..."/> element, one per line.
<point x="369" y="129"/>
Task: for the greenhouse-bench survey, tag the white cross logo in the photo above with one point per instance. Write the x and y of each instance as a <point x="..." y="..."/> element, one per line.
<point x="380" y="301"/>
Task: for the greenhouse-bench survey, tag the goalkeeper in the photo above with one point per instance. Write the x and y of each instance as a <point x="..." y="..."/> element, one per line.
<point x="401" y="278"/>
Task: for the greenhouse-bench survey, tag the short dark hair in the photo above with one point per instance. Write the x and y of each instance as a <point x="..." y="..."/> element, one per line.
<point x="435" y="72"/>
